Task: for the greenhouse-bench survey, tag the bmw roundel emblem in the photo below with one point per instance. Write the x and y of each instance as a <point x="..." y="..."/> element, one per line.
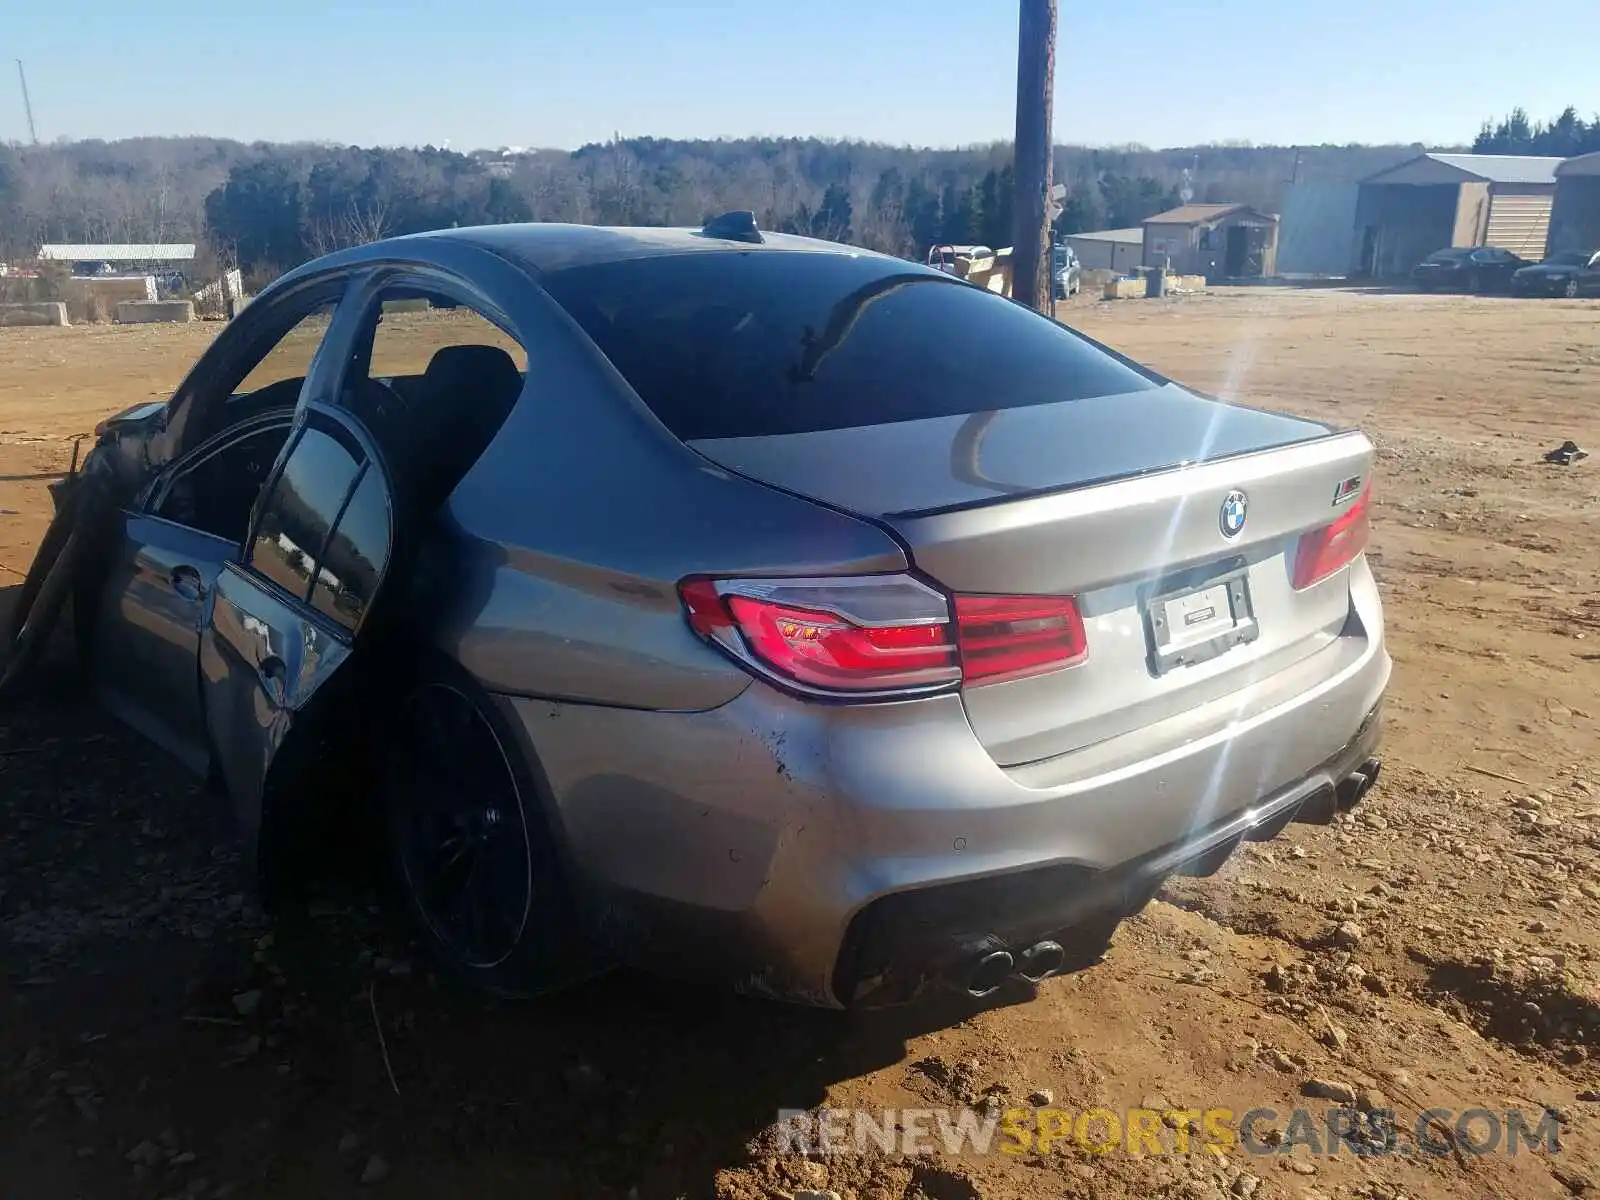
<point x="1234" y="507"/>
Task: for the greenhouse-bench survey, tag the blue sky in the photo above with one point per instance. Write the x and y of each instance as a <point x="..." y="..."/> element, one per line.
<point x="929" y="72"/>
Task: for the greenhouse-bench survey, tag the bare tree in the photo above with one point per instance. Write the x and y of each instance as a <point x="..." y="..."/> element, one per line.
<point x="361" y="222"/>
<point x="366" y="221"/>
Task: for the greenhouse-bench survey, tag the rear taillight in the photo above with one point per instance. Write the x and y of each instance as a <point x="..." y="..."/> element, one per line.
<point x="827" y="651"/>
<point x="1323" y="551"/>
<point x="1011" y="637"/>
<point x="881" y="635"/>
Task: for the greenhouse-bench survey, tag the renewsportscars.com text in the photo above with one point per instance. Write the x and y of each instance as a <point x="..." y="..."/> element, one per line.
<point x="1260" y="1131"/>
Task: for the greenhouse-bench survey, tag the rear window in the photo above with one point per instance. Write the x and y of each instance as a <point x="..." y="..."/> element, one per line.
<point x="747" y="344"/>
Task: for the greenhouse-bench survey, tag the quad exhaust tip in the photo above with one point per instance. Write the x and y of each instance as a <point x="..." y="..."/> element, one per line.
<point x="1359" y="782"/>
<point x="1040" y="961"/>
<point x="1322" y="807"/>
<point x="1035" y="964"/>
<point x="992" y="970"/>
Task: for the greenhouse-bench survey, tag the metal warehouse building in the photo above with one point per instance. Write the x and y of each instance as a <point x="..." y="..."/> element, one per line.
<point x="1575" y="217"/>
<point x="1438" y="200"/>
<point x="1108" y="249"/>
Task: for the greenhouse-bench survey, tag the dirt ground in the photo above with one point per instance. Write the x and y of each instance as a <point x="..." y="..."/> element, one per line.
<point x="160" y="1036"/>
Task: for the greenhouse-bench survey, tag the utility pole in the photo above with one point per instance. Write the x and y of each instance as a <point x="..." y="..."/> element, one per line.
<point x="1036" y="70"/>
<point x="27" y="105"/>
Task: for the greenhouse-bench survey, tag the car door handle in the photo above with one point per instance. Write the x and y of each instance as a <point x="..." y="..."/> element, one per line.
<point x="274" y="676"/>
<point x="186" y="581"/>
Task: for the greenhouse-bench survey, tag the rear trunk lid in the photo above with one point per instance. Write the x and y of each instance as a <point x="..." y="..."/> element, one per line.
<point x="1010" y="454"/>
<point x="1119" y="501"/>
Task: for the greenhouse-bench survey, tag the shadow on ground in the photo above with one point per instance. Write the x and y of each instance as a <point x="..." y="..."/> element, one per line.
<point x="161" y="1036"/>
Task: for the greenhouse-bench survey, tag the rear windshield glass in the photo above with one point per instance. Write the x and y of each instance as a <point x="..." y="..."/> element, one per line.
<point x="745" y="344"/>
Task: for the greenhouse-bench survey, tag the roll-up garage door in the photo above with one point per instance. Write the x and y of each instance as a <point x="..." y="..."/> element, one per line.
<point x="1520" y="224"/>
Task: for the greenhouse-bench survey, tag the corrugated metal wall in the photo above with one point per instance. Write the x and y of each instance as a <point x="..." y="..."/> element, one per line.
<point x="1472" y="214"/>
<point x="1401" y="224"/>
<point x="1575" y="218"/>
<point x="1098" y="254"/>
<point x="1318" y="232"/>
<point x="1519" y="223"/>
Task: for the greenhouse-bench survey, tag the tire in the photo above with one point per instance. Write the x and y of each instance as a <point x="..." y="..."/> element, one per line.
<point x="470" y="844"/>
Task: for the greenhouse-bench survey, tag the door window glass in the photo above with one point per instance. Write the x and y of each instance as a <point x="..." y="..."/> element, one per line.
<point x="304" y="505"/>
<point x="357" y="554"/>
<point x="216" y="494"/>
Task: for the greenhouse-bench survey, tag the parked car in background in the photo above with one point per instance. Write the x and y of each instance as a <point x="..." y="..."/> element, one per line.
<point x="805" y="618"/>
<point x="1467" y="269"/>
<point x="1571" y="273"/>
<point x="943" y="257"/>
<point x="1065" y="270"/>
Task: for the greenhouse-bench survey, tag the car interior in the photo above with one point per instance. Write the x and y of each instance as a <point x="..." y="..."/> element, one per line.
<point x="430" y="428"/>
<point x="216" y="494"/>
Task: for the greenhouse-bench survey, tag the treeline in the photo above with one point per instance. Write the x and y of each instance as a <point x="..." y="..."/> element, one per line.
<point x="1566" y="136"/>
<point x="269" y="206"/>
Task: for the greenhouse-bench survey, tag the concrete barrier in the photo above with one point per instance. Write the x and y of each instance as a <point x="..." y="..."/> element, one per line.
<point x="1137" y="288"/>
<point x="50" y="312"/>
<point x="1127" y="289"/>
<point x="146" y="312"/>
<point x="109" y="290"/>
<point x="416" y="305"/>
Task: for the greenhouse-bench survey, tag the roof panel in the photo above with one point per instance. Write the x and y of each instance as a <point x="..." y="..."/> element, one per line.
<point x="551" y="247"/>
<point x="1111" y="235"/>
<point x="148" y="252"/>
<point x="1199" y="214"/>
<point x="1491" y="168"/>
<point x="1584" y="164"/>
<point x="1504" y="168"/>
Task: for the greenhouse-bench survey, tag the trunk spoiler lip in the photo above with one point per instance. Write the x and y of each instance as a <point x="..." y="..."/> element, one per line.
<point x="1332" y="434"/>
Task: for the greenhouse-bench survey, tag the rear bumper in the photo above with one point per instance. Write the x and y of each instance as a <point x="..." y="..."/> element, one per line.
<point x="838" y="855"/>
<point x="901" y="942"/>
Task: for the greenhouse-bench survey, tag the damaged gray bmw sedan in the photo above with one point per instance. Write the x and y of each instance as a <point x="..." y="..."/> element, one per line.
<point x="720" y="602"/>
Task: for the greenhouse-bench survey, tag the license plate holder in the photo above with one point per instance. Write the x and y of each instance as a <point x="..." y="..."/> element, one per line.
<point x="1194" y="616"/>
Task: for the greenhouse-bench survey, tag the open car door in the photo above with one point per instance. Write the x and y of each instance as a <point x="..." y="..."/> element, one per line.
<point x="285" y="617"/>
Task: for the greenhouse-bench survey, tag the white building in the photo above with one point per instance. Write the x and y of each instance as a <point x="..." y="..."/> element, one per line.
<point x="137" y="259"/>
<point x="1110" y="249"/>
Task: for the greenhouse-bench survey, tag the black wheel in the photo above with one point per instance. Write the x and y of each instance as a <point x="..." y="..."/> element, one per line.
<point x="472" y="851"/>
<point x="1571" y="290"/>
